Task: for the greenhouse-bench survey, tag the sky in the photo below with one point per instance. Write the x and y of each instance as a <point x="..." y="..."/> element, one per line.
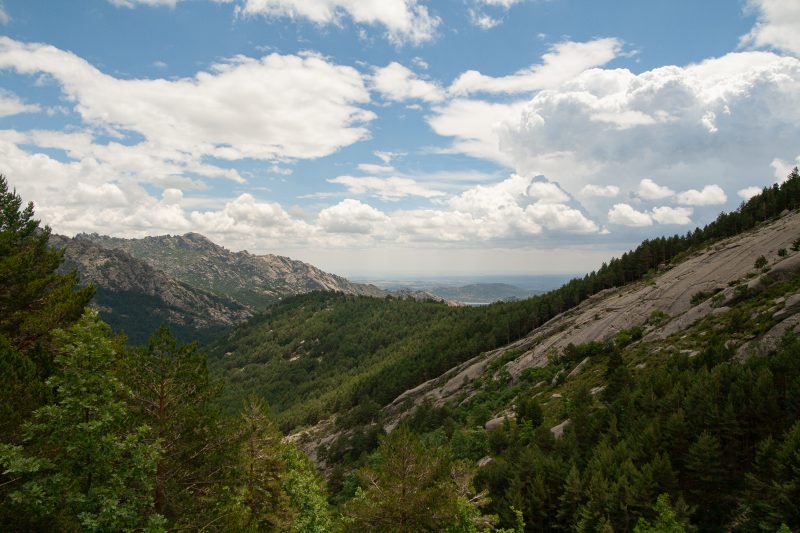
<point x="399" y="137"/>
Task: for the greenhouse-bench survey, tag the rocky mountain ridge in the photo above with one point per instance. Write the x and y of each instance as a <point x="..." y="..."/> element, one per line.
<point x="253" y="280"/>
<point x="135" y="297"/>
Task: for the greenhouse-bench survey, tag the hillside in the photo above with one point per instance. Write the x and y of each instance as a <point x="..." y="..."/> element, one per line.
<point x="253" y="280"/>
<point x="136" y="298"/>
<point x="668" y="302"/>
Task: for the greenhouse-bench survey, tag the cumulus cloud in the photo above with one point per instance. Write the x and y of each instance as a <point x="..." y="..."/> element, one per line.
<point x="279" y="106"/>
<point x="710" y="195"/>
<point x="475" y="125"/>
<point x="398" y="83"/>
<point x="599" y="191"/>
<point x="626" y="215"/>
<point x="389" y="189"/>
<point x="614" y="125"/>
<point x="557" y="216"/>
<point x="404" y="20"/>
<point x="547" y="192"/>
<point x="478" y="125"/>
<point x="748" y="192"/>
<point x="778" y="25"/>
<point x="351" y="216"/>
<point x="650" y="190"/>
<point x="245" y="215"/>
<point x="672" y="215"/>
<point x="562" y="62"/>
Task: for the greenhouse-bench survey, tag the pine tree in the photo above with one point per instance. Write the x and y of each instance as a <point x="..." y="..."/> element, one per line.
<point x="408" y="490"/>
<point x="34" y="299"/>
<point x="173" y="395"/>
<point x="83" y="464"/>
<point x="704" y="469"/>
<point x="262" y="470"/>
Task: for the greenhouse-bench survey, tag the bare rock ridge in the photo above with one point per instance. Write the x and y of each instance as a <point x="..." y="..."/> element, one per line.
<point x="253" y="280"/>
<point x="191" y="283"/>
<point x="133" y="295"/>
<point x="721" y="269"/>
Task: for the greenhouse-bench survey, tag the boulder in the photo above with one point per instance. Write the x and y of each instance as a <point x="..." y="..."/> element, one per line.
<point x="558" y="431"/>
<point x="577" y="370"/>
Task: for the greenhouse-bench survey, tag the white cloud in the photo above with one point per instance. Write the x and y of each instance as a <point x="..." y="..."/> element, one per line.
<point x="748" y="192"/>
<point x="4" y="16"/>
<point x="478" y="17"/>
<point x="710" y="195"/>
<point x="389" y="189"/>
<point x="556" y="216"/>
<point x="476" y="125"/>
<point x="246" y="216"/>
<point x="404" y="20"/>
<point x="562" y="62"/>
<point x="650" y="190"/>
<point x="387" y="157"/>
<point x="501" y="3"/>
<point x="351" y="216"/>
<point x="274" y="107"/>
<point x="375" y="169"/>
<point x="149" y="3"/>
<point x="482" y="20"/>
<point x="10" y="104"/>
<point x="599" y="191"/>
<point x="547" y="192"/>
<point x="783" y="168"/>
<point x="398" y="83"/>
<point x="626" y="215"/>
<point x="672" y="215"/>
<point x="778" y="25"/>
<point x="615" y="126"/>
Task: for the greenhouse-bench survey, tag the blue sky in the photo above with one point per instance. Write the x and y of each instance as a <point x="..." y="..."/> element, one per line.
<point x="399" y="137"/>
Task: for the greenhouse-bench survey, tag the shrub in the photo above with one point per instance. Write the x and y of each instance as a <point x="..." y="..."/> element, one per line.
<point x="700" y="296"/>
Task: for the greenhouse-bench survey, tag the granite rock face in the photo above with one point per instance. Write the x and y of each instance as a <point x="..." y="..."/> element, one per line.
<point x="253" y="280"/>
<point x="131" y="294"/>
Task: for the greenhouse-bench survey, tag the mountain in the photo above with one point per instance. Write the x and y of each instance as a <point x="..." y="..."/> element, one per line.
<point x="253" y="280"/>
<point x="134" y="297"/>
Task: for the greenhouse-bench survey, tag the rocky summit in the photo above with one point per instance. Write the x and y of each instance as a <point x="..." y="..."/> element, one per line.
<point x="253" y="280"/>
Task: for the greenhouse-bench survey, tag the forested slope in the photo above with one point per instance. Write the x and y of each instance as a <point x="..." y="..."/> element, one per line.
<point x="357" y="349"/>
